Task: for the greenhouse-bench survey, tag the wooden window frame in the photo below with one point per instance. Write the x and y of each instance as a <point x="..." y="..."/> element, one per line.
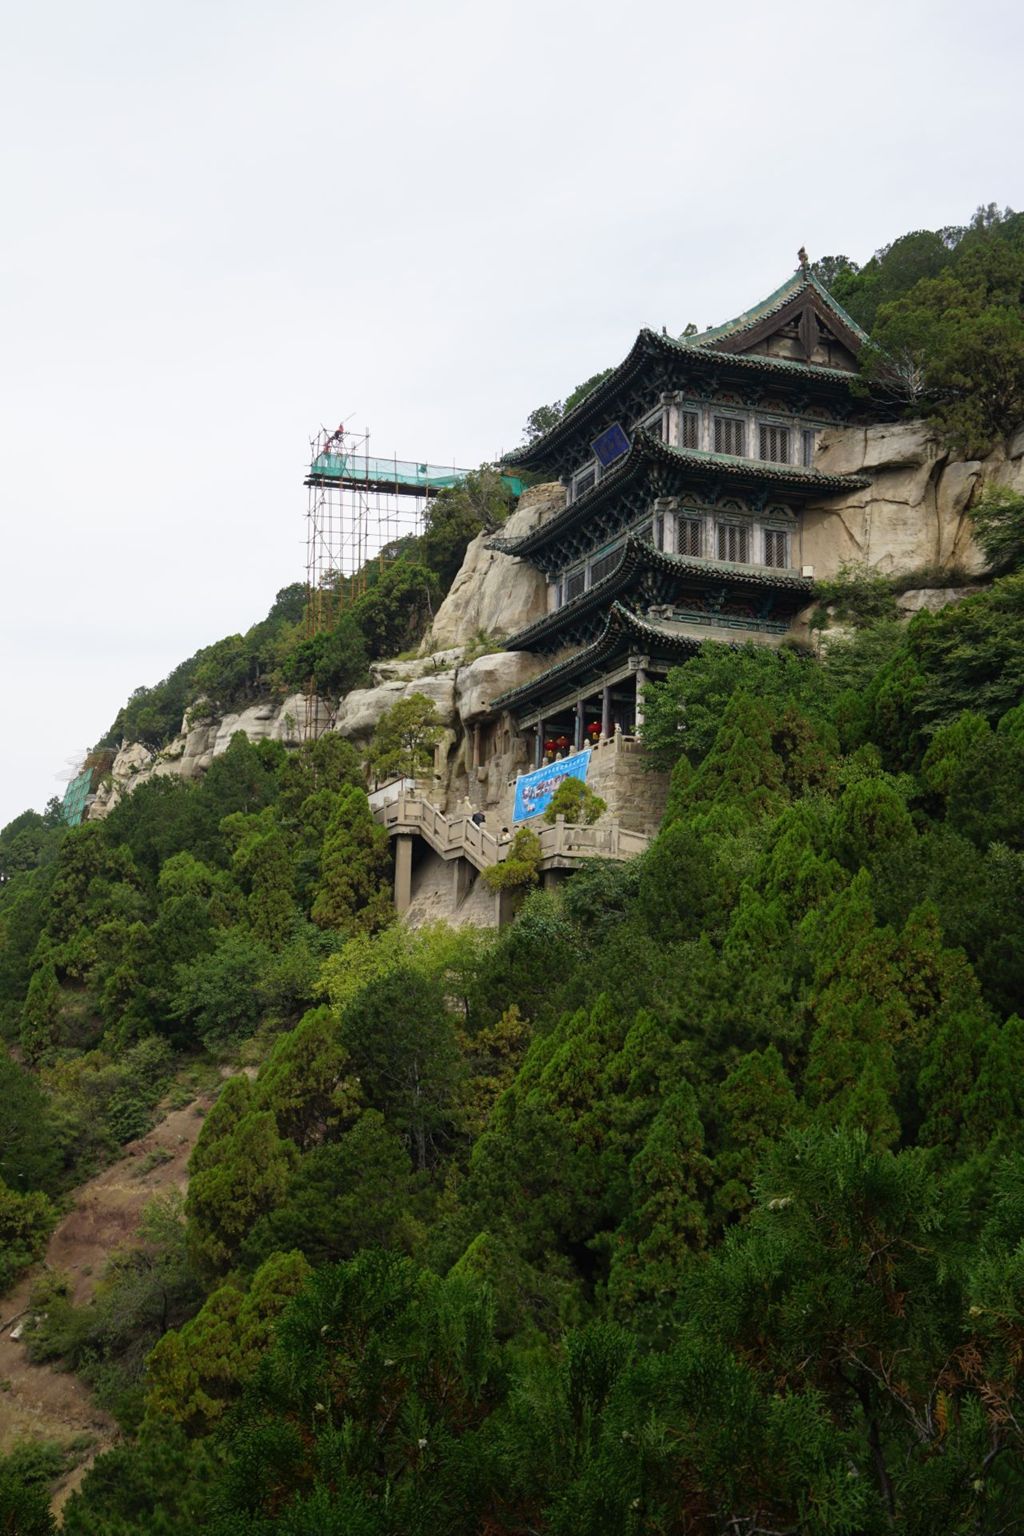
<point x="774" y="427"/>
<point x="682" y="522"/>
<point x="689" y="413"/>
<point x="769" y="535"/>
<point x="742" y="422"/>
<point x="741" y="531"/>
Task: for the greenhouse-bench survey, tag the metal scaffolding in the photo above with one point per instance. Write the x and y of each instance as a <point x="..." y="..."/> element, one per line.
<point x="362" y="512"/>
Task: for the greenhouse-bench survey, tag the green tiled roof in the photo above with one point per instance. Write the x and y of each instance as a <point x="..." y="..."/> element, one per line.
<point x="623" y="631"/>
<point x="647" y="450"/>
<point x="737" y="468"/>
<point x="639" y="556"/>
<point x="800" y="281"/>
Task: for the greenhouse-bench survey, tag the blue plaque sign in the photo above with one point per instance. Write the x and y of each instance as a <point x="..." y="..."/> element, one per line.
<point x="534" y="791"/>
<point x="611" y="445"/>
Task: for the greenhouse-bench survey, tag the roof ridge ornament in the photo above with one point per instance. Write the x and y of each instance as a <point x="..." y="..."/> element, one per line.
<point x="803" y="258"/>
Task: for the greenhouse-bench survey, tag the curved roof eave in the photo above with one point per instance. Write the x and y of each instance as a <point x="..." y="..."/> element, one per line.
<point x="638" y="556"/>
<point x="620" y="628"/>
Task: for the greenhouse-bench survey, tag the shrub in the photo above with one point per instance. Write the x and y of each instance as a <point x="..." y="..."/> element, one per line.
<point x="999" y="528"/>
<point x="25" y="1223"/>
<point x="857" y="596"/>
<point x="522" y="866"/>
<point x="577" y="802"/>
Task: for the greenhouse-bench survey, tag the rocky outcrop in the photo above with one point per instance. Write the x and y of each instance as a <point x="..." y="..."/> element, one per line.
<point x="408" y="670"/>
<point x="193" y="750"/>
<point x="359" y="711"/>
<point x="931" y="599"/>
<point x="489" y="677"/>
<point x="495" y="595"/>
<point x="914" y="514"/>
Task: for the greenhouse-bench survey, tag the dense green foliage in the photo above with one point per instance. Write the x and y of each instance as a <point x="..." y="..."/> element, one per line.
<point x="188" y="920"/>
<point x="404" y="739"/>
<point x="945" y="310"/>
<point x="577" y="802"/>
<point x="998" y="518"/>
<point x="690" y="1202"/>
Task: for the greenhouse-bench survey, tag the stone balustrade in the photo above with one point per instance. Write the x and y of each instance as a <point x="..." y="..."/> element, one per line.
<point x="459" y="838"/>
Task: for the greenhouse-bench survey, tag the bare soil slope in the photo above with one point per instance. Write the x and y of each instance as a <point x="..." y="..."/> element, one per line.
<point x="39" y="1402"/>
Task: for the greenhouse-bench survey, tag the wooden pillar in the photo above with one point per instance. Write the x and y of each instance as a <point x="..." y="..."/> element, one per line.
<point x="403" y="873"/>
<point x="476" y="746"/>
<point x="578" y="737"/>
<point x="641" y="683"/>
<point x="606" y="711"/>
<point x="538" y="751"/>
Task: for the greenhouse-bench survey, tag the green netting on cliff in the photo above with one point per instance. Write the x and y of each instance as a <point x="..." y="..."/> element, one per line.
<point x="75" y="796"/>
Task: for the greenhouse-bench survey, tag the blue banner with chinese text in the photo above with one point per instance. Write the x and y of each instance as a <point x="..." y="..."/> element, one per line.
<point x="534" y="791"/>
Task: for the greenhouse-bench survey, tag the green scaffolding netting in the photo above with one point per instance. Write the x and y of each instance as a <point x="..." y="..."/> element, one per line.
<point x="358" y="468"/>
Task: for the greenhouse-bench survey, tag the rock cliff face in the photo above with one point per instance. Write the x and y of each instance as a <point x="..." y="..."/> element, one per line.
<point x="494" y="595"/>
<point x="914" y="515"/>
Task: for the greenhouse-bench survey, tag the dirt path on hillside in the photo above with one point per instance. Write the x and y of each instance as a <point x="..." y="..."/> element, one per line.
<point x="39" y="1402"/>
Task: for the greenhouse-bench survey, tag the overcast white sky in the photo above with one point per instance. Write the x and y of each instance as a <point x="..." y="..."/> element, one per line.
<point x="225" y="223"/>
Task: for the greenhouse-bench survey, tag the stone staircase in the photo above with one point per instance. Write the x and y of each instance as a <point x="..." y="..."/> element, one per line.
<point x="563" y="845"/>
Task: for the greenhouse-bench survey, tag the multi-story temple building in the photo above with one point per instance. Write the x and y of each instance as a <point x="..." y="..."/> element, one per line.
<point x="688" y="474"/>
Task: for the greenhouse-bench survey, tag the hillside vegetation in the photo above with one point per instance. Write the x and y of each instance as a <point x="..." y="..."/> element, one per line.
<point x="695" y="1196"/>
<point x="691" y="1203"/>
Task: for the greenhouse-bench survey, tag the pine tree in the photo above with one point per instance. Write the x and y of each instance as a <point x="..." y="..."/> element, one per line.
<point x="670" y="1178"/>
<point x="307" y="1082"/>
<point x="754" y="1105"/>
<point x="39" y="1030"/>
<point x="353" y="890"/>
<point x="250" y="1176"/>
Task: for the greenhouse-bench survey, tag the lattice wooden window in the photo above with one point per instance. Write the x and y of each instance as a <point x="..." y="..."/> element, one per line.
<point x="585" y="482"/>
<point x="773" y="444"/>
<point x="599" y="568"/>
<point x="807" y="439"/>
<point x="730" y="435"/>
<point x="574" y="585"/>
<point x="690" y="537"/>
<point x="776" y="547"/>
<point x="689" y="429"/>
<point x="734" y="543"/>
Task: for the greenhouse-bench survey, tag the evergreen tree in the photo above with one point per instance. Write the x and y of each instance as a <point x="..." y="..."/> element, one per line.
<point x="670" y="1178"/>
<point x="306" y="1081"/>
<point x="353" y="890"/>
<point x="249" y="1177"/>
<point x="404" y="1054"/>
